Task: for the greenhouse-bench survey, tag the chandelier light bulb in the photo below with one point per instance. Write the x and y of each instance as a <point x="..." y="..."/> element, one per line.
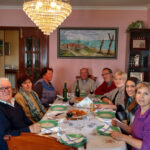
<point x="58" y="7"/>
<point x="53" y="4"/>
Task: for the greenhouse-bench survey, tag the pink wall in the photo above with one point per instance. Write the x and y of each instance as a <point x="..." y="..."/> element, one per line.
<point x="67" y="69"/>
<point x="14" y="18"/>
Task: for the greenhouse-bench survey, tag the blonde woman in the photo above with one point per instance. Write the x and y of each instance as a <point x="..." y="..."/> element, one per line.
<point x="115" y="97"/>
<point x="140" y="129"/>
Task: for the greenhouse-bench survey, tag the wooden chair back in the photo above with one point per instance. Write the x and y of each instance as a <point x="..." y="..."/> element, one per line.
<point x="30" y="141"/>
<point x="90" y="76"/>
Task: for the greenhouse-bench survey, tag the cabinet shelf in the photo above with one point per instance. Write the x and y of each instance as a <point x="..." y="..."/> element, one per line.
<point x="142" y="52"/>
<point x="138" y="69"/>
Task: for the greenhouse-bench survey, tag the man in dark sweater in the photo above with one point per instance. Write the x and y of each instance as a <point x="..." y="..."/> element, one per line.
<point x="108" y="83"/>
<point x="12" y="118"/>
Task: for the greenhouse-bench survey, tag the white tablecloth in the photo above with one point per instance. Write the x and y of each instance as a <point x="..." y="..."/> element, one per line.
<point x="87" y="127"/>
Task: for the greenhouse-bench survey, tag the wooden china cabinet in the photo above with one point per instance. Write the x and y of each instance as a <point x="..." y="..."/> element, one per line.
<point x="33" y="54"/>
<point x="139" y="54"/>
<point x="27" y="53"/>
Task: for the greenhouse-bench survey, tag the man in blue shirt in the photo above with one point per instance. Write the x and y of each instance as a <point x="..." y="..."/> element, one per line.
<point x="12" y="118"/>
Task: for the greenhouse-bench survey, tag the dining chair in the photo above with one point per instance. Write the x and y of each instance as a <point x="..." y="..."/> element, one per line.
<point x="30" y="141"/>
<point x="90" y="76"/>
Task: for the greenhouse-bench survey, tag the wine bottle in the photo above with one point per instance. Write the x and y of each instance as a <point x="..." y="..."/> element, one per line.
<point x="77" y="89"/>
<point x="65" y="91"/>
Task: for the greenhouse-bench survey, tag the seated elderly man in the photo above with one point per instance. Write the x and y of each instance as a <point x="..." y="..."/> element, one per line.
<point x="85" y="83"/>
<point x="12" y="118"/>
<point x="108" y="84"/>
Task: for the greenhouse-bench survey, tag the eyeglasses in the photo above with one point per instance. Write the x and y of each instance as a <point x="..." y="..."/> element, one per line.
<point x="105" y="74"/>
<point x="3" y="89"/>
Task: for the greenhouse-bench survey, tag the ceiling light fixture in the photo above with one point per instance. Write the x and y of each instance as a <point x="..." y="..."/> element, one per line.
<point x="47" y="14"/>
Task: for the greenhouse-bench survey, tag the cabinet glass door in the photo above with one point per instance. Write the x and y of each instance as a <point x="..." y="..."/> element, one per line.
<point x="33" y="52"/>
<point x="32" y="57"/>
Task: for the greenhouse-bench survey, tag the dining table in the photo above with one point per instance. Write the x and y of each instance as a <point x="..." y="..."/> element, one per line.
<point x="87" y="126"/>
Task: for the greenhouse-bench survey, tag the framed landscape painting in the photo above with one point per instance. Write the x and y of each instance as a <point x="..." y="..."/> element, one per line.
<point x="87" y="42"/>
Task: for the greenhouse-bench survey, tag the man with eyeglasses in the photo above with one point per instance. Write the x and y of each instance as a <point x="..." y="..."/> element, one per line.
<point x="108" y="83"/>
<point x="12" y="118"/>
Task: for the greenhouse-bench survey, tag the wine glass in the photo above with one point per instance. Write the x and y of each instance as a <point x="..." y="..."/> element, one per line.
<point x="71" y="101"/>
<point x="91" y="91"/>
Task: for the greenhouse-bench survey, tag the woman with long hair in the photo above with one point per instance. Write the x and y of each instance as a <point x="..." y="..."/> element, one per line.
<point x="130" y="102"/>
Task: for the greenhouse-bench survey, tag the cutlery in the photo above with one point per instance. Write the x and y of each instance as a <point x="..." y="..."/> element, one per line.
<point x="58" y="114"/>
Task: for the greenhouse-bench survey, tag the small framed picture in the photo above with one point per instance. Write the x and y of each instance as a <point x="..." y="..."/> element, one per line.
<point x="7" y="48"/>
<point x="139" y="44"/>
<point x="1" y="47"/>
<point x="138" y="75"/>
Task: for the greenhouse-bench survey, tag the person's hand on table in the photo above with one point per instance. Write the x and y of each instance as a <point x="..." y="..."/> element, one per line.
<point x="107" y="100"/>
<point x="117" y="135"/>
<point x="105" y="106"/>
<point x="100" y="106"/>
<point x="115" y="122"/>
<point x="35" y="128"/>
<point x="121" y="125"/>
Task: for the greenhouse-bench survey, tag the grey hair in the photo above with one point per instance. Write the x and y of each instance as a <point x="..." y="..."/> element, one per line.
<point x="2" y="79"/>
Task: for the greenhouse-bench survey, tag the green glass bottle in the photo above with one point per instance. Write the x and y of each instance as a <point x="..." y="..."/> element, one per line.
<point x="77" y="89"/>
<point x="65" y="91"/>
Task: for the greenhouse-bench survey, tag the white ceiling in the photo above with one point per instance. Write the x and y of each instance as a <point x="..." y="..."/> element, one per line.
<point x="89" y="3"/>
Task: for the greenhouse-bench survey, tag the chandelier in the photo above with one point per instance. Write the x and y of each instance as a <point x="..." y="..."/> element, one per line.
<point x="47" y="14"/>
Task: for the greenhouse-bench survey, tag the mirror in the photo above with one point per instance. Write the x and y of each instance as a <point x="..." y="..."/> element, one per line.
<point x="9" y="55"/>
<point x="2" y="70"/>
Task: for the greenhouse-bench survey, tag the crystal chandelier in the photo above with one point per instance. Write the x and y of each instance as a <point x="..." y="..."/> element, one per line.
<point x="47" y="14"/>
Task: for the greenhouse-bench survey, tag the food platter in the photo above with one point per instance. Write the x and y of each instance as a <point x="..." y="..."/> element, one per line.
<point x="78" y="99"/>
<point x="76" y="114"/>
